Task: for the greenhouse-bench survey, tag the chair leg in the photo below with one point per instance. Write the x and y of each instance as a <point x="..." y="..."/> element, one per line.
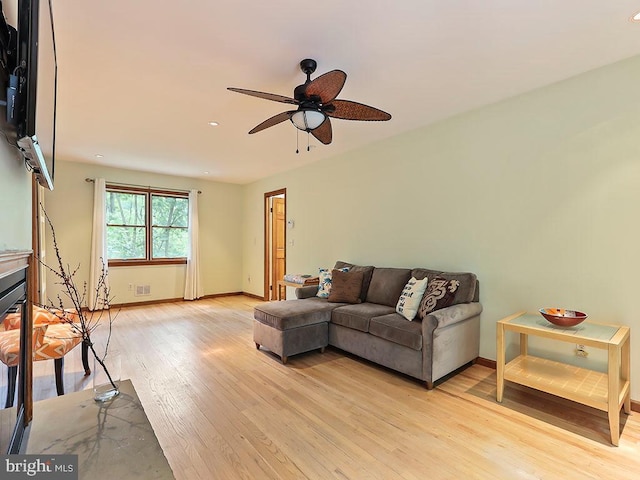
<point x="85" y="358"/>
<point x="59" y="366"/>
<point x="12" y="374"/>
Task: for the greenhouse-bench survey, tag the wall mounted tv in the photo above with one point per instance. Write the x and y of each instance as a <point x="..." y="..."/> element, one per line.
<point x="30" y="76"/>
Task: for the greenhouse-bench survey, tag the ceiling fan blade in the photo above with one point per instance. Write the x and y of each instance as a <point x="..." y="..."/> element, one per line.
<point x="348" y="110"/>
<point x="270" y="122"/>
<point x="323" y="133"/>
<point x="266" y="96"/>
<point x="326" y="86"/>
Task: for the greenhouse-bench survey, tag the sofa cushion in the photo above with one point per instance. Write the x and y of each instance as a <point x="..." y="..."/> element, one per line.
<point x="345" y="287"/>
<point x="395" y="328"/>
<point x="387" y="284"/>
<point x="366" y="275"/>
<point x="447" y="289"/>
<point x="294" y="313"/>
<point x="358" y="316"/>
<point x="411" y="297"/>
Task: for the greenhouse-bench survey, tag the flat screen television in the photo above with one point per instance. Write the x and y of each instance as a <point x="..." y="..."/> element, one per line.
<point x="37" y="51"/>
<point x="9" y="108"/>
<point x="30" y="76"/>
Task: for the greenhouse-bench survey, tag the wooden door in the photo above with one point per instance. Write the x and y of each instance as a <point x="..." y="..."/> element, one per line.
<point x="278" y="244"/>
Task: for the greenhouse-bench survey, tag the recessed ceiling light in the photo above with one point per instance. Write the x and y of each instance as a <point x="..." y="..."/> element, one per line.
<point x="206" y="173"/>
<point x="214" y="124"/>
<point x="99" y="156"/>
<point x="635" y="17"/>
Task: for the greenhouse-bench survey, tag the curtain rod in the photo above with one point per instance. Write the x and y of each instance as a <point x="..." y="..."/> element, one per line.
<point x="92" y="180"/>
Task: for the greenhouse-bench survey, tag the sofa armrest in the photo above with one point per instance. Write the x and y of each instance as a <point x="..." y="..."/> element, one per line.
<point x="451" y="315"/>
<point x="306" y="292"/>
<point x="451" y="339"/>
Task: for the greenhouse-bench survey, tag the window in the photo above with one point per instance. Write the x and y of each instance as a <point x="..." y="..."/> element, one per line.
<point x="146" y="226"/>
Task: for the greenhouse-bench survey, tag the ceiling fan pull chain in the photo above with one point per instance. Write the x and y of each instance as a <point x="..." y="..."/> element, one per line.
<point x="297" y="141"/>
<point x="308" y="148"/>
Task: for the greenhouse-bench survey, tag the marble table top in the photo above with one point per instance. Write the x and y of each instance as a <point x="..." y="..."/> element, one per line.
<point x="112" y="439"/>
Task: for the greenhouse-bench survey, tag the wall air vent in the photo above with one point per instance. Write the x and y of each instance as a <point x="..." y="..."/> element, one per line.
<point x="143" y="290"/>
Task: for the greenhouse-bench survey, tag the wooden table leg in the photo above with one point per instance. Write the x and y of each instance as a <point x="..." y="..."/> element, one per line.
<point x="500" y="358"/>
<point x="614" y="391"/>
<point x="626" y="372"/>
<point x="524" y="344"/>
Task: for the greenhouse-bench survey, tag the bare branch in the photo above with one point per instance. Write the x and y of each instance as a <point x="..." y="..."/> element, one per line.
<point x="83" y="321"/>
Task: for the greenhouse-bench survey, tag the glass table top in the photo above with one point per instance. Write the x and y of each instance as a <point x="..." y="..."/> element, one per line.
<point x="594" y="331"/>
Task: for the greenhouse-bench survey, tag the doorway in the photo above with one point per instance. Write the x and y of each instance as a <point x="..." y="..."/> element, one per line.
<point x="275" y="241"/>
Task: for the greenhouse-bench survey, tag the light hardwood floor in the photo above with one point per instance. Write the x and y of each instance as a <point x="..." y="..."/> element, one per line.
<point x="223" y="410"/>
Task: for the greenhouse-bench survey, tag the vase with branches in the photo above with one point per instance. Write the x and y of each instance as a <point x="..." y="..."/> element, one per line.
<point x="72" y="306"/>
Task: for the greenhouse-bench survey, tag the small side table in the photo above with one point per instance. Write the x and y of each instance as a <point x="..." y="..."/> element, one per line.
<point x="608" y="391"/>
<point x="285" y="284"/>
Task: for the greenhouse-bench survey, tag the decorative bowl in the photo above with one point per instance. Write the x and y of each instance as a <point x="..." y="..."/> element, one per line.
<point x="563" y="317"/>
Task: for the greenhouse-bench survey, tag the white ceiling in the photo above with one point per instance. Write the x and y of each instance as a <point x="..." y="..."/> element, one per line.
<point x="140" y="80"/>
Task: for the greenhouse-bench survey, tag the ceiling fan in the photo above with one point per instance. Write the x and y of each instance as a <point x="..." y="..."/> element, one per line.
<point x="316" y="101"/>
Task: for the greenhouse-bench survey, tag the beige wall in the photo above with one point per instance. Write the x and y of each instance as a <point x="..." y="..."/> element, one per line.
<point x="15" y="198"/>
<point x="220" y="205"/>
<point x="537" y="195"/>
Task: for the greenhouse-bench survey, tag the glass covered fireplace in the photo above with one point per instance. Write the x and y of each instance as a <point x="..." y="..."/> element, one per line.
<point x="14" y="297"/>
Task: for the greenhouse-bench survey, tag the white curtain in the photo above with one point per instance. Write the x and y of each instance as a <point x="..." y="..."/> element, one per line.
<point x="193" y="284"/>
<point x="98" y="243"/>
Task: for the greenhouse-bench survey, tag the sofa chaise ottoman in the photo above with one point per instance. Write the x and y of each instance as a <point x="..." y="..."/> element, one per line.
<point x="292" y="327"/>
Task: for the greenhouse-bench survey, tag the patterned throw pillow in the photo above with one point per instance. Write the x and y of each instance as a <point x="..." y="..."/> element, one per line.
<point x="324" y="287"/>
<point x="410" y="298"/>
<point x="440" y="294"/>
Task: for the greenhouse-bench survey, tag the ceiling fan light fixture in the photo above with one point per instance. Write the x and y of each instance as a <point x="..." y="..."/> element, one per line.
<point x="308" y="119"/>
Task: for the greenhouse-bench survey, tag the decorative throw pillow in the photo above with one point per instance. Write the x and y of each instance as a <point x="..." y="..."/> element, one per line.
<point x="324" y="287"/>
<point x="345" y="286"/>
<point x="410" y="298"/>
<point x="440" y="294"/>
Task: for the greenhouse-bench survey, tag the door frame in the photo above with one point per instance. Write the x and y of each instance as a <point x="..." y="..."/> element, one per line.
<point x="267" y="238"/>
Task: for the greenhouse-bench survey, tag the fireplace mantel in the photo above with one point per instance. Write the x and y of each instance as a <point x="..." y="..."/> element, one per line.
<point x="12" y="261"/>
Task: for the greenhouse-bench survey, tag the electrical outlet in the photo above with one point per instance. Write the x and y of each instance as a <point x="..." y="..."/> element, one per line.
<point x="581" y="351"/>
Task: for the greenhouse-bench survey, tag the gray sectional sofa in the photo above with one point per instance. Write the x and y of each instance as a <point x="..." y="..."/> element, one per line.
<point x="426" y="348"/>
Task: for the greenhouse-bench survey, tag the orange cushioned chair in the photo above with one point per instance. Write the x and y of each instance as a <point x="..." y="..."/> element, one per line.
<point x="53" y="338"/>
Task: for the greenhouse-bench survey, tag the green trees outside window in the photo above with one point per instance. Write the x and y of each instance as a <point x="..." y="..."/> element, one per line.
<point x="170" y="226"/>
<point x="146" y="225"/>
